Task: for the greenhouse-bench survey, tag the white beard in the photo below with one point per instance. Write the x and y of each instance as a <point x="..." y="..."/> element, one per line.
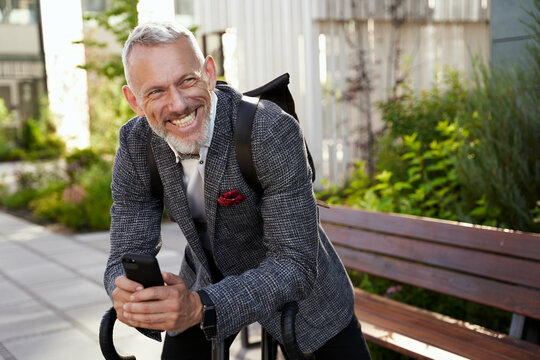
<point x="181" y="146"/>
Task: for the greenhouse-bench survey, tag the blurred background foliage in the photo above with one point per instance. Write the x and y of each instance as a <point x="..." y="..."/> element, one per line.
<point x="76" y="190"/>
<point x="35" y="139"/>
<point x="465" y="151"/>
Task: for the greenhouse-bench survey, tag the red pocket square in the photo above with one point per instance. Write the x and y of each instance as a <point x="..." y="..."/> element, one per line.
<point x="231" y="198"/>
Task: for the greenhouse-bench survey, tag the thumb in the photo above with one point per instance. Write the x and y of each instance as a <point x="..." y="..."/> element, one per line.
<point x="172" y="279"/>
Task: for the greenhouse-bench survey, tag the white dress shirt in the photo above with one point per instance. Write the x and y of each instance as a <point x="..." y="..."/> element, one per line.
<point x="194" y="179"/>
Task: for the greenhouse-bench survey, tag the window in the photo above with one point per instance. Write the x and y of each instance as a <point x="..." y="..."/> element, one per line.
<point x="183" y="7"/>
<point x="183" y="12"/>
<point x="93" y="5"/>
<point x="18" y="11"/>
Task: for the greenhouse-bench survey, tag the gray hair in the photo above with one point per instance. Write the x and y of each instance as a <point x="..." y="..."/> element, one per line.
<point x="156" y="33"/>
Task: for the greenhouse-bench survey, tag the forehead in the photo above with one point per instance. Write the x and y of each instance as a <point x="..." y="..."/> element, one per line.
<point x="162" y="59"/>
<point x="182" y="49"/>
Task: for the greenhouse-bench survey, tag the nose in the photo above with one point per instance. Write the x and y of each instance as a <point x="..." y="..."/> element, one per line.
<point x="176" y="102"/>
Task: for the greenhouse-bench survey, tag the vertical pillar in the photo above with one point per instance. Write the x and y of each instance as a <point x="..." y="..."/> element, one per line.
<point x="62" y="24"/>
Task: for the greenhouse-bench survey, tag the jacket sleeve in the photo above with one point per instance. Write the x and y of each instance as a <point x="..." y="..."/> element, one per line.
<point x="290" y="228"/>
<point x="135" y="214"/>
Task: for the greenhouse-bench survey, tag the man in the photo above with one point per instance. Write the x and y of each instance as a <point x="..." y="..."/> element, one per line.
<point x="248" y="253"/>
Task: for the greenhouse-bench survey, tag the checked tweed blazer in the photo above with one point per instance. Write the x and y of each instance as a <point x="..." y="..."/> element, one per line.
<point x="270" y="247"/>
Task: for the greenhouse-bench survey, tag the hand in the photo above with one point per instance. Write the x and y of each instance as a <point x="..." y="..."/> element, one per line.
<point x="122" y="294"/>
<point x="174" y="307"/>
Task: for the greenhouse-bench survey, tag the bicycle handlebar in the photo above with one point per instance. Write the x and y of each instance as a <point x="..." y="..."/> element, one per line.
<point x="288" y="334"/>
<point x="106" y="337"/>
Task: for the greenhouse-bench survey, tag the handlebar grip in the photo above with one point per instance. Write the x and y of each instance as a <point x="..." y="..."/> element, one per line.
<point x="106" y="337"/>
<point x="288" y="334"/>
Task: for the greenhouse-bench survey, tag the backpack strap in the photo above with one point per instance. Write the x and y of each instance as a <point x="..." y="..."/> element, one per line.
<point x="278" y="92"/>
<point x="242" y="139"/>
<point x="156" y="186"/>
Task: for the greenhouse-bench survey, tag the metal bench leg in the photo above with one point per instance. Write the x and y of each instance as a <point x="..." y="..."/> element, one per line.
<point x="244" y="339"/>
<point x="268" y="346"/>
<point x="219" y="351"/>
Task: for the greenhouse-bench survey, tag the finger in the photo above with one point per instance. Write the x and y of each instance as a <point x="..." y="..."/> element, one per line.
<point x="124" y="283"/>
<point x="119" y="306"/>
<point x="148" y="314"/>
<point x="149" y="294"/>
<point x="146" y="307"/>
<point x="172" y="279"/>
<point x="121" y="296"/>
<point x="148" y="321"/>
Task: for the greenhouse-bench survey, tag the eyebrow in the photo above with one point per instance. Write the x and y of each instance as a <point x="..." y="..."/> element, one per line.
<point x="151" y="88"/>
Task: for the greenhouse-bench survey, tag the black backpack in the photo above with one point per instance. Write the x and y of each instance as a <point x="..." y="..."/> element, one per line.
<point x="276" y="91"/>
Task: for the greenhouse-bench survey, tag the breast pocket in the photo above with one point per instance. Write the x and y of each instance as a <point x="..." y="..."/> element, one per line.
<point x="241" y="217"/>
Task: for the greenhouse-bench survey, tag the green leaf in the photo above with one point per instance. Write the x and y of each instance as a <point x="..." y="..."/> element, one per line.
<point x="409" y="155"/>
<point x="384" y="176"/>
<point x="438" y="181"/>
<point x="400" y="185"/>
<point x="412" y="171"/>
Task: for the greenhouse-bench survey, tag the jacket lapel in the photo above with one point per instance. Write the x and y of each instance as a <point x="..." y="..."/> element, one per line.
<point x="216" y="160"/>
<point x="173" y="185"/>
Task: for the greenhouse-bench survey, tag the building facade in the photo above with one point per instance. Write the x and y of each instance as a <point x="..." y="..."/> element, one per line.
<point x="22" y="72"/>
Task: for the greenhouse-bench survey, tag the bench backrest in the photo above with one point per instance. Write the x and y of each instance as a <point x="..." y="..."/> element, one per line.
<point x="495" y="267"/>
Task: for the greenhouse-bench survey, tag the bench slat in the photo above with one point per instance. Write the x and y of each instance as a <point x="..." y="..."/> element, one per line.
<point x="508" y="269"/>
<point x="495" y="240"/>
<point x="438" y="332"/>
<point x="503" y="296"/>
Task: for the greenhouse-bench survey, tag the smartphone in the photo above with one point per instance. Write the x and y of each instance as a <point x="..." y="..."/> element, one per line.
<point x="143" y="269"/>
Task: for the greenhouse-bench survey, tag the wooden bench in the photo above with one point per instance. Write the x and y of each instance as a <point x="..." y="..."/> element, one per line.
<point x="494" y="267"/>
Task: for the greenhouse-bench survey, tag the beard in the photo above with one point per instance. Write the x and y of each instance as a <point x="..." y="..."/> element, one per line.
<point x="182" y="146"/>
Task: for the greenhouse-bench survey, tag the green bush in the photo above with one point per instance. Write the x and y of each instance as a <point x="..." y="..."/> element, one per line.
<point x="431" y="186"/>
<point x="500" y="162"/>
<point x="37" y="141"/>
<point x="77" y="196"/>
<point x="82" y="204"/>
<point x="407" y="113"/>
<point x="108" y="112"/>
<point x="32" y="184"/>
<point x="7" y="134"/>
<point x="479" y="164"/>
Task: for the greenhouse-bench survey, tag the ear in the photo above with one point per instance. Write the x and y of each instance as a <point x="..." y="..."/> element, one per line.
<point x="132" y="100"/>
<point x="211" y="73"/>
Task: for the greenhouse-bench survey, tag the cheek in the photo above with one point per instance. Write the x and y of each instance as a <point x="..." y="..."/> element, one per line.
<point x="153" y="113"/>
<point x="203" y="92"/>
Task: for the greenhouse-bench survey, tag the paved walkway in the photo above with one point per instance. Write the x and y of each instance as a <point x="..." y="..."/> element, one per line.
<point x="52" y="297"/>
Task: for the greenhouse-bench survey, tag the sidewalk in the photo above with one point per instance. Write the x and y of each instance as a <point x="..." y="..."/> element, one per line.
<point x="52" y="297"/>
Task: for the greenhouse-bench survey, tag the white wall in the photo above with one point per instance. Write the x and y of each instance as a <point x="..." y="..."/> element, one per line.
<point x="316" y="41"/>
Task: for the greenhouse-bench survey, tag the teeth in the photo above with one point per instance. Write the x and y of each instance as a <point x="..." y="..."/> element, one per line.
<point x="184" y="121"/>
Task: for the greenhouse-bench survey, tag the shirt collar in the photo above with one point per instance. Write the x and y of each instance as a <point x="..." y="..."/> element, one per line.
<point x="204" y="148"/>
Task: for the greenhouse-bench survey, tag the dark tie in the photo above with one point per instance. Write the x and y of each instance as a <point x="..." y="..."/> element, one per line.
<point x="187" y="156"/>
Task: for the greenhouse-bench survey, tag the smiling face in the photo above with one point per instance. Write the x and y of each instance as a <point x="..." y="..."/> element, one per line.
<point x="171" y="86"/>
